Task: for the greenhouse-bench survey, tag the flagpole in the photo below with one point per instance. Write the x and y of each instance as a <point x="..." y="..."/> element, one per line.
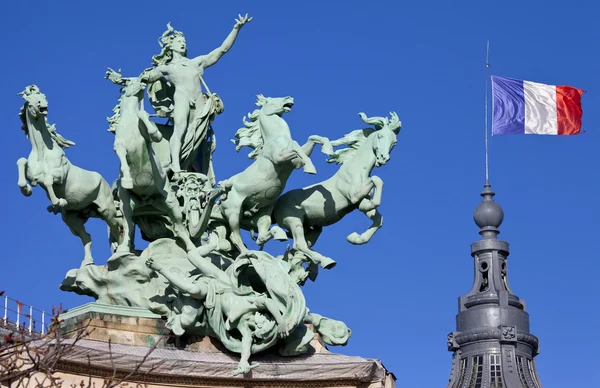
<point x="487" y="148"/>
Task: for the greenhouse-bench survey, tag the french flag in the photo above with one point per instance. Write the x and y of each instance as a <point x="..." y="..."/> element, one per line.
<point x="524" y="107"/>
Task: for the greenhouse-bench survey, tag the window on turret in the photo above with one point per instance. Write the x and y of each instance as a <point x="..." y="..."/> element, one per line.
<point x="503" y="276"/>
<point x="484" y="269"/>
<point x="524" y="372"/>
<point x="495" y="372"/>
<point x="461" y="374"/>
<point x="477" y="372"/>
<point x="532" y="373"/>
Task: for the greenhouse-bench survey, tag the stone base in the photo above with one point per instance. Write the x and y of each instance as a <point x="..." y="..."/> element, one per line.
<point x="135" y="346"/>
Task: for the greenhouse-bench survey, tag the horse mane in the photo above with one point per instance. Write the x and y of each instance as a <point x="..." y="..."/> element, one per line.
<point x="353" y="140"/>
<point x="58" y="138"/>
<point x="249" y="135"/>
<point x="22" y="114"/>
<point x="114" y="119"/>
<point x="55" y="136"/>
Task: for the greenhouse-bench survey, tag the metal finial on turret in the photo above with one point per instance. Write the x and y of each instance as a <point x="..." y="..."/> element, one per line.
<point x="488" y="215"/>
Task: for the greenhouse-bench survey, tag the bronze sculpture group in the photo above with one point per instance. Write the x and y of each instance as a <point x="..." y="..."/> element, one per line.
<point x="197" y="270"/>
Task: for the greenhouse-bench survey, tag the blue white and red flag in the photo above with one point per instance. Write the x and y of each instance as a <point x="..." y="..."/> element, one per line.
<point x="524" y="107"/>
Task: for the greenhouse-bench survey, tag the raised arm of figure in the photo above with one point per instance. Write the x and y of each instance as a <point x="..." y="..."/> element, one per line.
<point x="153" y="75"/>
<point x="199" y="258"/>
<point x="247" y="341"/>
<point x="196" y="290"/>
<point x="214" y="56"/>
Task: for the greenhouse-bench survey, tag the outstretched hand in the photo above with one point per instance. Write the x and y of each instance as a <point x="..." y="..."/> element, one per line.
<point x="244" y="367"/>
<point x="153" y="264"/>
<point x="114" y="76"/>
<point x="241" y="20"/>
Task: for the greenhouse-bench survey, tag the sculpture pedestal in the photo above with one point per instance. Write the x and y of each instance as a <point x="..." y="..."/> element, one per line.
<point x="124" y="340"/>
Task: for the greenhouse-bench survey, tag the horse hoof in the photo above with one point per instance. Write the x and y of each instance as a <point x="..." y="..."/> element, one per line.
<point x="279" y="234"/>
<point x="127" y="183"/>
<point x="327" y="149"/>
<point x="310" y="169"/>
<point x="156" y="137"/>
<point x="225" y="245"/>
<point x="53" y="209"/>
<point x="327" y="263"/>
<point x="312" y="272"/>
<point x="355" y="238"/>
<point x="123" y="249"/>
<point x="62" y="203"/>
<point x="260" y="241"/>
<point x="26" y="190"/>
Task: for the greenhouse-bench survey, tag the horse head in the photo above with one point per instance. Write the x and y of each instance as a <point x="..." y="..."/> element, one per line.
<point x="36" y="103"/>
<point x="132" y="86"/>
<point x="261" y="123"/>
<point x="384" y="138"/>
<point x="274" y="105"/>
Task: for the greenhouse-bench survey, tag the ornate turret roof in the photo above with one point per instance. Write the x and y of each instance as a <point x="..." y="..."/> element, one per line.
<point x="492" y="346"/>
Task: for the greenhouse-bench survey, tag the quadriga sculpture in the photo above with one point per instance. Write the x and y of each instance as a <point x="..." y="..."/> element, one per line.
<point x="304" y="212"/>
<point x="143" y="176"/>
<point x="255" y="190"/>
<point x="75" y="193"/>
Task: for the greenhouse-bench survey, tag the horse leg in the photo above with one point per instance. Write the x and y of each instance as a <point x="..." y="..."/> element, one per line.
<point x="221" y="232"/>
<point x="312" y="235"/>
<point x="76" y="223"/>
<point x="177" y="218"/>
<point x="108" y="213"/>
<point x="57" y="203"/>
<point x="126" y="244"/>
<point x="150" y="126"/>
<point x="22" y="182"/>
<point x="263" y="224"/>
<point x="309" y="167"/>
<point x="232" y="214"/>
<point x="368" y="204"/>
<point x="359" y="239"/>
<point x="361" y="191"/>
<point x="288" y="155"/>
<point x="326" y="147"/>
<point x="294" y="224"/>
<point x="378" y="182"/>
<point x="266" y="232"/>
<point x="369" y="207"/>
<point x="126" y="180"/>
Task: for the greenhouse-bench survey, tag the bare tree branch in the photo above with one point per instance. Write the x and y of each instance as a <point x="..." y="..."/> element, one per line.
<point x="32" y="360"/>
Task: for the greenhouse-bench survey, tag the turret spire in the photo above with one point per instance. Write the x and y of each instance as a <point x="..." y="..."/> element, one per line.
<point x="492" y="345"/>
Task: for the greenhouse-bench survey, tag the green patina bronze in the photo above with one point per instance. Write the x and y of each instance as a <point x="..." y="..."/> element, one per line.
<point x="197" y="270"/>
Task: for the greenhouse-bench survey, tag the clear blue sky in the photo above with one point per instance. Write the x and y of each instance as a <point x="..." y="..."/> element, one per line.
<point x="423" y="59"/>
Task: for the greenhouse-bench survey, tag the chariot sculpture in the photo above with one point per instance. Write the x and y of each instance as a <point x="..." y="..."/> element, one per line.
<point x="248" y="299"/>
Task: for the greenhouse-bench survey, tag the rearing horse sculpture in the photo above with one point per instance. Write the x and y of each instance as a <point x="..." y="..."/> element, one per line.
<point x="304" y="212"/>
<point x="254" y="191"/>
<point x="143" y="176"/>
<point x="76" y="193"/>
